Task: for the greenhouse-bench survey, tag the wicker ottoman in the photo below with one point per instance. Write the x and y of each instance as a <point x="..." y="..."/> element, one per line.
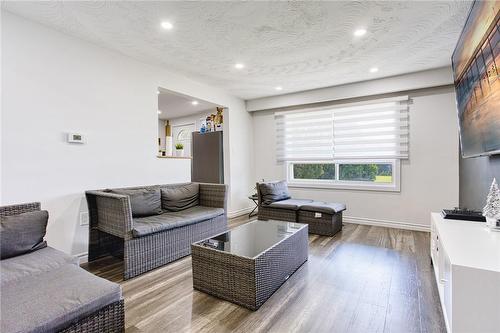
<point x="249" y="263"/>
<point x="323" y="218"/>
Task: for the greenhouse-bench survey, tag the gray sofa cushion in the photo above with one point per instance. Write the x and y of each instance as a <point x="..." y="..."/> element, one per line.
<point x="22" y="233"/>
<point x="293" y="204"/>
<point x="144" y="202"/>
<point x="53" y="300"/>
<point x="324" y="207"/>
<point x="271" y="192"/>
<point x="33" y="263"/>
<point x="148" y="225"/>
<point x="180" y="197"/>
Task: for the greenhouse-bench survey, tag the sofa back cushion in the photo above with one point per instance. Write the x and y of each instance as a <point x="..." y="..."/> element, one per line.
<point x="22" y="233"/>
<point x="271" y="192"/>
<point x="180" y="197"/>
<point x="143" y="201"/>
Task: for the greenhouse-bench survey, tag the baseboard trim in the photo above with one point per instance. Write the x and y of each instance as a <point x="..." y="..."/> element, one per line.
<point x="239" y="212"/>
<point x="82" y="257"/>
<point x="386" y="223"/>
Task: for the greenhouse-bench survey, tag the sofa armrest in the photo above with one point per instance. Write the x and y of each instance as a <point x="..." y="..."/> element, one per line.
<point x="110" y="212"/>
<point x="19" y="208"/>
<point x="214" y="195"/>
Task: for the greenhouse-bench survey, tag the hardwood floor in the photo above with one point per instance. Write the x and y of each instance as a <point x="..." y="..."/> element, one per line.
<point x="365" y="279"/>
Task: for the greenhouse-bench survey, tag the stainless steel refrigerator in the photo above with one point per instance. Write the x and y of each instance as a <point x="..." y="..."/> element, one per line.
<point x="207" y="165"/>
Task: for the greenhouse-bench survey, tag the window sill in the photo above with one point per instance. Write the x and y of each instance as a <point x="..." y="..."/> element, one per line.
<point x="356" y="187"/>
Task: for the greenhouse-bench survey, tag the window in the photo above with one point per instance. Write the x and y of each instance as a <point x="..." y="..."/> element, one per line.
<point x="360" y="174"/>
<point x="356" y="146"/>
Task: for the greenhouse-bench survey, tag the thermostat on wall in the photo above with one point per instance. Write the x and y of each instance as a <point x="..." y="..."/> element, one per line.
<point x="75" y="138"/>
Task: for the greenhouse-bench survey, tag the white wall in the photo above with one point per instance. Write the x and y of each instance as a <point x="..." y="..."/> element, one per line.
<point x="192" y="119"/>
<point x="429" y="179"/>
<point x="53" y="83"/>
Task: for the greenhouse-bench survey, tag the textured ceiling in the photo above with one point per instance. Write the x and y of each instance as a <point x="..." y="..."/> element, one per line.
<point x="173" y="105"/>
<point x="297" y="45"/>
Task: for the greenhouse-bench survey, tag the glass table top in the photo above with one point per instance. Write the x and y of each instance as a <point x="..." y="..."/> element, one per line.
<point x="253" y="238"/>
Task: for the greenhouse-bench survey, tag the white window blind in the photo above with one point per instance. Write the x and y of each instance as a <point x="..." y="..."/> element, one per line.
<point x="372" y="129"/>
<point x="304" y="136"/>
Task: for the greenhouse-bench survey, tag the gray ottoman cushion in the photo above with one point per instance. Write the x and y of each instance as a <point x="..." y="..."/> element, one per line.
<point x="272" y="192"/>
<point x="181" y="197"/>
<point x="22" y="233"/>
<point x="324" y="207"/>
<point x="293" y="204"/>
<point x="53" y="300"/>
<point x="33" y="263"/>
<point x="144" y="202"/>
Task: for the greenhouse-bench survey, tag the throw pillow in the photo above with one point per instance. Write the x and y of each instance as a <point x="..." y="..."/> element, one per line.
<point x="144" y="202"/>
<point x="271" y="192"/>
<point x="180" y="197"/>
<point x="22" y="233"/>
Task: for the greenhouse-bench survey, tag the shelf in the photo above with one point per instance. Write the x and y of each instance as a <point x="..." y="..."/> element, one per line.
<point x="176" y="157"/>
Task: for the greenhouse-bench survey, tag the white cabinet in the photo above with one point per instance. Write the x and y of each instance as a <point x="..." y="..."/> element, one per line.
<point x="466" y="259"/>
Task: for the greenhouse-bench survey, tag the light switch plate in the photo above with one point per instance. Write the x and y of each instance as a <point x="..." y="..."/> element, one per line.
<point x="84" y="218"/>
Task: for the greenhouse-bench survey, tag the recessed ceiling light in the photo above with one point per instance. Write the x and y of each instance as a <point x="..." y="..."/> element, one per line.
<point x="194" y="102"/>
<point x="159" y="112"/>
<point x="279" y="88"/>
<point x="158" y="92"/>
<point x="373" y="70"/>
<point x="167" y="25"/>
<point x="239" y="65"/>
<point x="359" y="32"/>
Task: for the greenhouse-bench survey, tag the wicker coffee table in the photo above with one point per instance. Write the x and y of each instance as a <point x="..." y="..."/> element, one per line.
<point x="246" y="265"/>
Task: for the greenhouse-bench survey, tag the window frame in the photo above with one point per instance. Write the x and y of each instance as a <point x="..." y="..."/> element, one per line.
<point x="394" y="186"/>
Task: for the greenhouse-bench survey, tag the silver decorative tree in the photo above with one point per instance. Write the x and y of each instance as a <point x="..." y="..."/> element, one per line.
<point x="492" y="208"/>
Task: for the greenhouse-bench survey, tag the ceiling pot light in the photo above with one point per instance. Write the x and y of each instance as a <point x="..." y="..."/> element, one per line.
<point x="194" y="102"/>
<point x="239" y="65"/>
<point x="373" y="70"/>
<point x="279" y="88"/>
<point x="167" y="25"/>
<point x="159" y="112"/>
<point x="359" y="32"/>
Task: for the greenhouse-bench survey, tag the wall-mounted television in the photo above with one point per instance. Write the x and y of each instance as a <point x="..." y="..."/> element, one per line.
<point x="476" y="70"/>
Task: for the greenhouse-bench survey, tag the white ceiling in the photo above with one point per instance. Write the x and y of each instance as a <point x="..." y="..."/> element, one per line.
<point x="297" y="45"/>
<point x="174" y="105"/>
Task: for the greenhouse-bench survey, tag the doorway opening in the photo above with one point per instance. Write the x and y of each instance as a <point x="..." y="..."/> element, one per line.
<point x="191" y="128"/>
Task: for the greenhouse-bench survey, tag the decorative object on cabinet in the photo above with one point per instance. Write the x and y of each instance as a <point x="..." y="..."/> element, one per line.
<point x="168" y="139"/>
<point x="179" y="150"/>
<point x="492" y="209"/>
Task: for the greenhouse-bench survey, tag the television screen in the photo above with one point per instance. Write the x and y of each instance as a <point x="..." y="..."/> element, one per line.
<point x="477" y="80"/>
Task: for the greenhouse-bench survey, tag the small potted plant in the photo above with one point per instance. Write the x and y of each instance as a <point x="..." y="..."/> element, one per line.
<point x="179" y="150"/>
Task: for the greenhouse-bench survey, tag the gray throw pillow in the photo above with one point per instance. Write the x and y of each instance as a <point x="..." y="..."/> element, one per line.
<point x="22" y="233"/>
<point x="272" y="192"/>
<point x="144" y="202"/>
<point x="180" y="197"/>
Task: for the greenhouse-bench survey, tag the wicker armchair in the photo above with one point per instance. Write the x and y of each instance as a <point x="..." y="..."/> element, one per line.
<point x="110" y="318"/>
<point x="112" y="225"/>
<point x="323" y="218"/>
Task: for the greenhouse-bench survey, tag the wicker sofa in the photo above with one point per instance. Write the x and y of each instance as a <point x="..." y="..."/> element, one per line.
<point x="148" y="242"/>
<point x="275" y="203"/>
<point x="44" y="290"/>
